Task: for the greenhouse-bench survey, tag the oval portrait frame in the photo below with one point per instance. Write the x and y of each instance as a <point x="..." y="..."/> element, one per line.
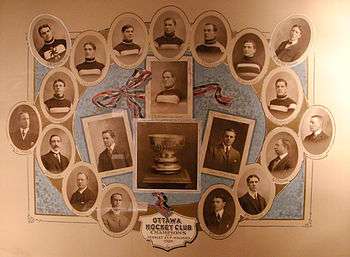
<point x="201" y="208"/>
<point x="75" y="98"/>
<point x="77" y="40"/>
<point x="331" y="118"/>
<point x="264" y="162"/>
<point x="299" y="101"/>
<point x="257" y="168"/>
<point x="72" y="148"/>
<point x="144" y="49"/>
<point x="35" y="52"/>
<point x="231" y="47"/>
<point x="224" y="21"/>
<point x="306" y="51"/>
<point x="15" y="148"/>
<point x="134" y="210"/>
<point x="64" y="188"/>
<point x="184" y="18"/>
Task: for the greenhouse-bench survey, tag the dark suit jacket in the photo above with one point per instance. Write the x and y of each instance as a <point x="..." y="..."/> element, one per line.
<point x="251" y="205"/>
<point x="83" y="202"/>
<point x="52" y="164"/>
<point x="26" y="143"/>
<point x="115" y="223"/>
<point x="291" y="53"/>
<point x="219" y="226"/>
<point x="217" y="159"/>
<point x="316" y="139"/>
<point x="285" y="164"/>
<point x="116" y="160"/>
<point x="318" y="144"/>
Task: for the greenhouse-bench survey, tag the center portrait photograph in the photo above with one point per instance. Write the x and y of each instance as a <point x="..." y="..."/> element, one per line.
<point x="169" y="93"/>
<point x="167" y="155"/>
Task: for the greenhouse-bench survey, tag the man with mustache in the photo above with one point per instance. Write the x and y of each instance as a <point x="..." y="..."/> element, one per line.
<point x="283" y="161"/>
<point x="54" y="161"/>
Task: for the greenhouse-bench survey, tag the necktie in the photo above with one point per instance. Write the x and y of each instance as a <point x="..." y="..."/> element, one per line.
<point x="58" y="157"/>
<point x="23" y="134"/>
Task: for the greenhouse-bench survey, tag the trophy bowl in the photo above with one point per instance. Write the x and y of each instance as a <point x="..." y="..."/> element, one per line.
<point x="165" y="147"/>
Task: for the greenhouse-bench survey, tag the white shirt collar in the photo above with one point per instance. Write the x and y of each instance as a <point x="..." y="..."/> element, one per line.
<point x="317" y="132"/>
<point x="220" y="213"/>
<point x="25" y="130"/>
<point x="82" y="190"/>
<point x="283" y="155"/>
<point x="253" y="194"/>
<point x="111" y="148"/>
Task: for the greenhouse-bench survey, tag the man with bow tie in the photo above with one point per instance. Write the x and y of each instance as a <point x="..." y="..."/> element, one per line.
<point x="219" y="220"/>
<point x="114" y="219"/>
<point x="54" y="161"/>
<point x="252" y="202"/>
<point x="112" y="158"/>
<point x="283" y="161"/>
<point x="291" y="49"/>
<point x="24" y="137"/>
<point x="223" y="156"/>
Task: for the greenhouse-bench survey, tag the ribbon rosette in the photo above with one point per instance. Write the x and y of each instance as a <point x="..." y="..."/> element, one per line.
<point x="110" y="98"/>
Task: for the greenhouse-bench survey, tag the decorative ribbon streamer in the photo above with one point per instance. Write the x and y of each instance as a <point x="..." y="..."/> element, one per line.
<point x="110" y="98"/>
<point x="208" y="88"/>
<point x="161" y="204"/>
<point x="140" y="78"/>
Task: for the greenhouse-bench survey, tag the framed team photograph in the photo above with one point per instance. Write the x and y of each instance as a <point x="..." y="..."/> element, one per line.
<point x="255" y="192"/>
<point x="109" y="142"/>
<point x="89" y="59"/>
<point x="169" y="33"/>
<point x="49" y="40"/>
<point x="226" y="144"/>
<point x="56" y="151"/>
<point x="81" y="189"/>
<point x="117" y="212"/>
<point x="210" y="37"/>
<point x="58" y="95"/>
<point x="217" y="211"/>
<point x="248" y="56"/>
<point x="128" y="40"/>
<point x="170" y="92"/>
<point x="23" y="127"/>
<point x="167" y="156"/>
<point x="317" y="131"/>
<point x="282" y="95"/>
<point x="291" y="40"/>
<point x="282" y="154"/>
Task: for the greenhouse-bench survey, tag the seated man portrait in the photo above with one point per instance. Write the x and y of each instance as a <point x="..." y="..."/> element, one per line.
<point x="169" y="94"/>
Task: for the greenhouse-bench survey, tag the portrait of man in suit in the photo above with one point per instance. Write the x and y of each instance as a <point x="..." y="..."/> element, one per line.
<point x="169" y="94"/>
<point x="53" y="49"/>
<point x="127" y="46"/>
<point x="211" y="46"/>
<point x="283" y="161"/>
<point x="54" y="161"/>
<point x="219" y="220"/>
<point x="252" y="202"/>
<point x="114" y="219"/>
<point x="112" y="158"/>
<point x="90" y="66"/>
<point x="83" y="198"/>
<point x="282" y="104"/>
<point x="223" y="156"/>
<point x="58" y="103"/>
<point x="169" y="40"/>
<point x="248" y="67"/>
<point x="25" y="136"/>
<point x="317" y="141"/>
<point x="291" y="49"/>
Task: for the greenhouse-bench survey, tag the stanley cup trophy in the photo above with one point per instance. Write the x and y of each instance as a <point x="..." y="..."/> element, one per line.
<point x="165" y="147"/>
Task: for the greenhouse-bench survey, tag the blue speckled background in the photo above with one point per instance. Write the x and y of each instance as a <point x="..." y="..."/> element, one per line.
<point x="288" y="204"/>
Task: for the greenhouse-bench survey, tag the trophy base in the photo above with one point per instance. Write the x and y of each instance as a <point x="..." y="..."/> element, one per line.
<point x="166" y="168"/>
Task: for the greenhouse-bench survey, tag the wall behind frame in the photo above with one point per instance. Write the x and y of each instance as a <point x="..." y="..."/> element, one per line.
<point x="330" y="231"/>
